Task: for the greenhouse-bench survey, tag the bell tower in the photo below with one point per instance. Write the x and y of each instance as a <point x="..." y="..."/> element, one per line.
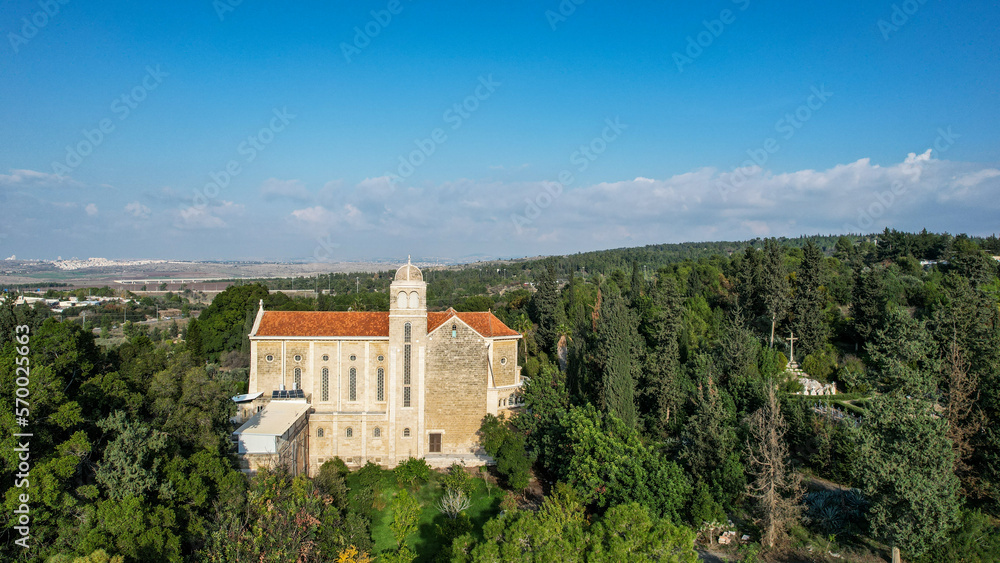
<point x="407" y="352"/>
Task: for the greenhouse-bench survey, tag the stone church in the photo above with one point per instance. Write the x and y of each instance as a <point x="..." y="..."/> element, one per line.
<point x="375" y="386"/>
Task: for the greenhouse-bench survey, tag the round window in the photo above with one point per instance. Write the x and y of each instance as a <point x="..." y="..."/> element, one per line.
<point x="381" y="358"/>
<point x="503" y="361"/>
<point x="353" y="357"/>
<point x="326" y="357"/>
<point x="298" y="358"/>
<point x="269" y="358"/>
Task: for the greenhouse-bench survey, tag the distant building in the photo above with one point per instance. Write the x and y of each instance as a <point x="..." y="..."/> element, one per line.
<point x="375" y="386"/>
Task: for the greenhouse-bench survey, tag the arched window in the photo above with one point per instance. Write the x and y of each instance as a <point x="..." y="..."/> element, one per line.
<point x="454" y="331"/>
<point x="406" y="432"/>
<point x="381" y="385"/>
<point x="414" y="300"/>
<point x="298" y="378"/>
<point x="406" y="364"/>
<point x="401" y="300"/>
<point x="350" y="432"/>
<point x="377" y="433"/>
<point x="326" y="384"/>
<point x="352" y="385"/>
<point x="319" y="432"/>
<point x="510" y="401"/>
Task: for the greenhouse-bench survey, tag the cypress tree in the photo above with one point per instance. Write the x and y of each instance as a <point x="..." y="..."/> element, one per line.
<point x="618" y="353"/>
<point x="665" y="384"/>
<point x="808" y="304"/>
<point x="546" y="307"/>
<point x="774" y="284"/>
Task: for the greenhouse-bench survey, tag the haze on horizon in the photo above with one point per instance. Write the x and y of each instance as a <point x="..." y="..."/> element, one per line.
<point x="228" y="130"/>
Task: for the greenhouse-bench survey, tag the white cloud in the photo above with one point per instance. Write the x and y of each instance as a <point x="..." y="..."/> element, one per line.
<point x="138" y="210"/>
<point x="273" y="188"/>
<point x="91" y="209"/>
<point x="20" y="179"/>
<point x="207" y="217"/>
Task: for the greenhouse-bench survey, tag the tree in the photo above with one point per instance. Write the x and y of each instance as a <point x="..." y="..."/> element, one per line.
<point x="868" y="304"/>
<point x="405" y="515"/>
<point x="964" y="420"/>
<point x="905" y="463"/>
<point x="904" y="357"/>
<point x="618" y="352"/>
<point x="809" y="301"/>
<point x="509" y="448"/>
<point x="546" y="307"/>
<point x="775" y="487"/>
<point x="710" y="445"/>
<point x="559" y="531"/>
<point x="607" y="464"/>
<point x="774" y="284"/>
<point x="666" y="386"/>
<point x="453" y="502"/>
<point x="131" y="463"/>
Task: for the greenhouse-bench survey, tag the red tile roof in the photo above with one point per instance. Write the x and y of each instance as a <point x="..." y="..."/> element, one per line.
<point x="360" y="324"/>
<point x="486" y="324"/>
<point x="323" y="323"/>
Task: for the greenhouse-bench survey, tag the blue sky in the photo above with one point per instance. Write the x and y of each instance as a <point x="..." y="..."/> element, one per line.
<point x="502" y="129"/>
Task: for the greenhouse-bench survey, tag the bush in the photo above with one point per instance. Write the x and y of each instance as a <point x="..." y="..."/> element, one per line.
<point x="458" y="480"/>
<point x="821" y="365"/>
<point x="852" y="375"/>
<point x="704" y="507"/>
<point x="975" y="539"/>
<point x="412" y="471"/>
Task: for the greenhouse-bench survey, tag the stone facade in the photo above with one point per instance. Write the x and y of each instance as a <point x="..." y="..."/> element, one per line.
<point x="383" y="387"/>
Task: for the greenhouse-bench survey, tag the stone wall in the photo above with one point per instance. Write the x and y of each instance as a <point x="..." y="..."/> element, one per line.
<point x="456" y="387"/>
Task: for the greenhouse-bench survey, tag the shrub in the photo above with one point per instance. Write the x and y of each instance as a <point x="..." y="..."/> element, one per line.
<point x="852" y="375"/>
<point x="458" y="480"/>
<point x="821" y="365"/>
<point x="412" y="471"/>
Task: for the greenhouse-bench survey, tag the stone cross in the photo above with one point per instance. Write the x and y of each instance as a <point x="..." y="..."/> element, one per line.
<point x="791" y="345"/>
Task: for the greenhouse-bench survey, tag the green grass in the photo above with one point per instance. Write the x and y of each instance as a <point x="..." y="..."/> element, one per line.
<point x="426" y="541"/>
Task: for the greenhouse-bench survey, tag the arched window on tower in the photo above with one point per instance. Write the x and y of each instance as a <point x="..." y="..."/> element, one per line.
<point x="352" y="385"/>
<point x="298" y="378"/>
<point x="380" y="390"/>
<point x="407" y="336"/>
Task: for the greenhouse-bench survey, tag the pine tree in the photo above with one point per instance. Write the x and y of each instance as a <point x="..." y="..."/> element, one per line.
<point x="904" y="357"/>
<point x="774" y="284"/>
<point x="905" y="463"/>
<point x="869" y="303"/>
<point x="546" y="307"/>
<point x="710" y="445"/>
<point x="775" y="487"/>
<point x="618" y="352"/>
<point x="665" y="386"/>
<point x="809" y="302"/>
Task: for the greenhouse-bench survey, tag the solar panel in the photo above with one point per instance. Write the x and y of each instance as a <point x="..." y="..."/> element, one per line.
<point x="283" y="394"/>
<point x="300" y="394"/>
<point x="274" y="394"/>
